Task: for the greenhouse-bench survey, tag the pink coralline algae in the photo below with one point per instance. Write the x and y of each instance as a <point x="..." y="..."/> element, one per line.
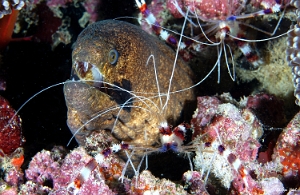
<point x="205" y="9"/>
<point x="267" y="3"/>
<point x="147" y="184"/>
<point x="11" y="172"/>
<point x="42" y="168"/>
<point x="207" y="108"/>
<point x="194" y="183"/>
<point x="61" y="175"/>
<point x="89" y="5"/>
<point x="208" y="10"/>
<point x="230" y="139"/>
<point x="225" y="139"/>
<point x="58" y="3"/>
<point x="238" y="128"/>
<point x="11" y="167"/>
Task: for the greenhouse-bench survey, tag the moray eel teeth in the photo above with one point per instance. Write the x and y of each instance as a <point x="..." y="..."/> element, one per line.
<point x="131" y="71"/>
<point x="90" y="72"/>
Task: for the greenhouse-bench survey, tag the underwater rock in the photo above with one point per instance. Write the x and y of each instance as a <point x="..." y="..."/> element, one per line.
<point x="194" y="182"/>
<point x="10" y="128"/>
<point x="11" y="174"/>
<point x="274" y="75"/>
<point x="147" y="184"/>
<point x="268" y="109"/>
<point x="205" y="9"/>
<point x="228" y="147"/>
<point x="60" y="176"/>
<point x="226" y="133"/>
<point x="287" y="149"/>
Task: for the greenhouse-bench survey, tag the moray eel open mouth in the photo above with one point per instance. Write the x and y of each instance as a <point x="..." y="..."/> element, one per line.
<point x="132" y="69"/>
<point x="88" y="71"/>
<point x="91" y="75"/>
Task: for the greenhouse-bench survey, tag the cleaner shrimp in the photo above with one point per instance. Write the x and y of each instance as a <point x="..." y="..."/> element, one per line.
<point x="226" y="28"/>
<point x="153" y="105"/>
<point x="173" y="139"/>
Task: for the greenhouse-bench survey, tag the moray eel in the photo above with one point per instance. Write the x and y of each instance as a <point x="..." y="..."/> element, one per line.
<point x="117" y="55"/>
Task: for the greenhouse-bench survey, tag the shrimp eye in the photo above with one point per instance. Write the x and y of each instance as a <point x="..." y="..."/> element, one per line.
<point x="113" y="56"/>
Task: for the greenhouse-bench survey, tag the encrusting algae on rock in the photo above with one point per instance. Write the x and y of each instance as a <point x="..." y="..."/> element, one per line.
<point x="119" y="104"/>
<point x="274" y="75"/>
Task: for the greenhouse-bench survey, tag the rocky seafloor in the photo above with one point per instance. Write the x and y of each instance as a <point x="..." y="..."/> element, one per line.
<point x="243" y="137"/>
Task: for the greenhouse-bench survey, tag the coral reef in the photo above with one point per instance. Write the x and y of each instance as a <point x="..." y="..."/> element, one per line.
<point x="52" y="172"/>
<point x="287" y="149"/>
<point x="146" y="183"/>
<point x="274" y="75"/>
<point x="245" y="28"/>
<point x="268" y="109"/>
<point x="158" y="8"/>
<point x="237" y="131"/>
<point x="11" y="173"/>
<point x="227" y="146"/>
<point x="205" y="10"/>
<point x="221" y="16"/>
<point x="194" y="183"/>
<point x="53" y="175"/>
<point x="10" y="128"/>
<point x="59" y="26"/>
<point x="230" y="138"/>
<point x="225" y="132"/>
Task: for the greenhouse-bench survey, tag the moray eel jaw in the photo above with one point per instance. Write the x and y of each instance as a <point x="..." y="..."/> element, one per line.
<point x="133" y="92"/>
<point x="89" y="72"/>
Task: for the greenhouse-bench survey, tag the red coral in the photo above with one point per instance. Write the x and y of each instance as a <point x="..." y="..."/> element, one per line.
<point x="10" y="128"/>
<point x="287" y="149"/>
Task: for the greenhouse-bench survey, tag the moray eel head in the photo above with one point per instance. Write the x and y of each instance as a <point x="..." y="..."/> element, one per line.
<point x="132" y="69"/>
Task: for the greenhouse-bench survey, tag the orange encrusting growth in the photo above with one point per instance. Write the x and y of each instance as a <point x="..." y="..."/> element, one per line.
<point x="111" y="173"/>
<point x="139" y="191"/>
<point x="287" y="150"/>
<point x="290" y="160"/>
<point x="7" y="24"/>
<point x="17" y="161"/>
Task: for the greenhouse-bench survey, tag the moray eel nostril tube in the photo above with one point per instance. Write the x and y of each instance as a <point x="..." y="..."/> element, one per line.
<point x="116" y="55"/>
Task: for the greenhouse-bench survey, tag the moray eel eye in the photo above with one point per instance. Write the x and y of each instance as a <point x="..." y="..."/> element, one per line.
<point x="113" y="56"/>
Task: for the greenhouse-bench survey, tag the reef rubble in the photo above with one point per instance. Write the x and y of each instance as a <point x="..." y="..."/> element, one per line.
<point x="224" y="131"/>
<point x="236" y="147"/>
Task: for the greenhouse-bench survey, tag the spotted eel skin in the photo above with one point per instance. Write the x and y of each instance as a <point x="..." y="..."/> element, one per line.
<point x="117" y="53"/>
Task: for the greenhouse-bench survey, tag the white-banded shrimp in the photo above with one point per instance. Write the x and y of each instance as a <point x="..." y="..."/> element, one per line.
<point x="160" y="98"/>
<point x="237" y="26"/>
